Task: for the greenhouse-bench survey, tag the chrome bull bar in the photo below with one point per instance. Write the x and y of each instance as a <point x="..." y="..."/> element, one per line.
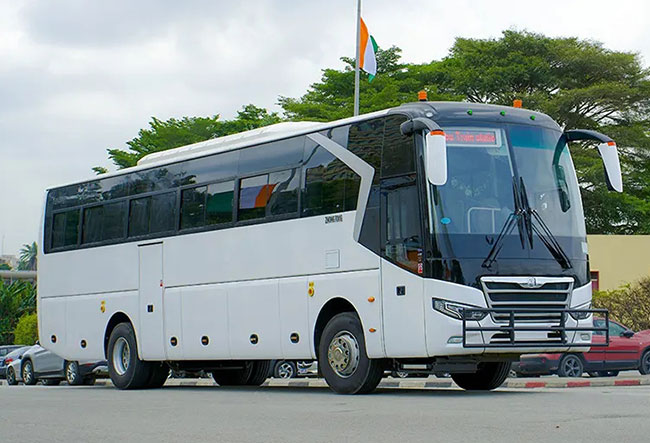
<point x="508" y="337"/>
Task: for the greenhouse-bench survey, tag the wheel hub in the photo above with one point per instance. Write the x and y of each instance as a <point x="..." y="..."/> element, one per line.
<point x="343" y="354"/>
<point x="121" y="356"/>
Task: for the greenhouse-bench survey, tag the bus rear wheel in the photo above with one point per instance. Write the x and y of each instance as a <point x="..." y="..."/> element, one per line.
<point x="342" y="357"/>
<point x="489" y="376"/>
<point x="126" y="370"/>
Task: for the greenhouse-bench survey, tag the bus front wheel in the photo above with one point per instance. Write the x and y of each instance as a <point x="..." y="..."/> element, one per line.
<point x="488" y="376"/>
<point x="126" y="370"/>
<point x="342" y="357"/>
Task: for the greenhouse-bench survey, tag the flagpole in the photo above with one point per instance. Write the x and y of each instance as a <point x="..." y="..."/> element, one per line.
<point x="356" y="67"/>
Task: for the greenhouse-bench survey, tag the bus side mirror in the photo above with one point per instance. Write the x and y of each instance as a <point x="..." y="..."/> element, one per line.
<point x="608" y="153"/>
<point x="436" y="157"/>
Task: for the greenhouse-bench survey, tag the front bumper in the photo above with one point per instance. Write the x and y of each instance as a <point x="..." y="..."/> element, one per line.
<point x="563" y="335"/>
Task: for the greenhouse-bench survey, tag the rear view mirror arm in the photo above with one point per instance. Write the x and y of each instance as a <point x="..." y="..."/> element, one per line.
<point x="608" y="153"/>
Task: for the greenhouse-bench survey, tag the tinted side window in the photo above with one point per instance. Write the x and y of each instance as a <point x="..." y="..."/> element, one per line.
<point x="139" y="216"/>
<point x="271" y="155"/>
<point x="254" y="193"/>
<point x="324" y="183"/>
<point x="206" y="169"/>
<point x="193" y="207"/>
<point x="284" y="187"/>
<point x="114" y="221"/>
<point x="219" y="203"/>
<point x="65" y="228"/>
<point x="365" y="140"/>
<point x="163" y="212"/>
<point x="92" y="230"/>
<point x="398" y="156"/>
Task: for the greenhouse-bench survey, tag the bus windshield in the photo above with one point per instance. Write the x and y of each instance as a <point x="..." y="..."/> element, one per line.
<point x="478" y="198"/>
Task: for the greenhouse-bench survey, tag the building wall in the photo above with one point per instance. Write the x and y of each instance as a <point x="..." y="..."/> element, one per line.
<point x="619" y="259"/>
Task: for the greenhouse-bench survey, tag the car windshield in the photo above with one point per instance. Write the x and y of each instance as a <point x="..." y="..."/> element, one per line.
<point x="471" y="209"/>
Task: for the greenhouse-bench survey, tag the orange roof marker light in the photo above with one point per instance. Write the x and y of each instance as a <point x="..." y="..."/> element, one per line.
<point x="517" y="103"/>
<point x="422" y="95"/>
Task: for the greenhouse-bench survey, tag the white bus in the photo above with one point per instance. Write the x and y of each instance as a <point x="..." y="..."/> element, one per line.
<point x="370" y="244"/>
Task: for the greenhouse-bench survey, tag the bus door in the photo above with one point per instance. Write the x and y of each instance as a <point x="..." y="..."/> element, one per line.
<point x="150" y="301"/>
<point x="401" y="269"/>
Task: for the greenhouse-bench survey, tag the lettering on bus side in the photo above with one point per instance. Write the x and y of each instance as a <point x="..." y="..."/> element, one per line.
<point x="333" y="218"/>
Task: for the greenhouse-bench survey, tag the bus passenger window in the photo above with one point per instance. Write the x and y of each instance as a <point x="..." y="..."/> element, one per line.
<point x="92" y="229"/>
<point x="193" y="207"/>
<point x="403" y="241"/>
<point x="254" y="193"/>
<point x="284" y="192"/>
<point x="330" y="185"/>
<point x="139" y="216"/>
<point x="65" y="228"/>
<point x="219" y="203"/>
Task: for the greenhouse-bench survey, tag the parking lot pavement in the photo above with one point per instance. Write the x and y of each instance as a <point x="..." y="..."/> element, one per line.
<point x="294" y="413"/>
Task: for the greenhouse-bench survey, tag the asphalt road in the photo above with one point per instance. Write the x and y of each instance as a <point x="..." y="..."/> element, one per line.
<point x="288" y="414"/>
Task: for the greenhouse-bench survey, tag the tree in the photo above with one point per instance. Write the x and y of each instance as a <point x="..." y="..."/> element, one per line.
<point x="16" y="299"/>
<point x="333" y="97"/>
<point x="629" y="304"/>
<point x="27" y="257"/>
<point x="26" y="332"/>
<point x="579" y="83"/>
<point x="5" y="267"/>
<point x="172" y="133"/>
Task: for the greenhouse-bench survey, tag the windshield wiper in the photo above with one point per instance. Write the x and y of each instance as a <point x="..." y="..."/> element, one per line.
<point x="516" y="218"/>
<point x="534" y="222"/>
<point x="528" y="221"/>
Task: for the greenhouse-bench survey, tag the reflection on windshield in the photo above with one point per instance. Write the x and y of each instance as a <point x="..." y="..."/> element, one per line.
<point x="478" y="196"/>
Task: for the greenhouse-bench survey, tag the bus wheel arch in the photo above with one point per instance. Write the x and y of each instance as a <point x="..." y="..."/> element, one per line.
<point x="116" y="319"/>
<point x="333" y="307"/>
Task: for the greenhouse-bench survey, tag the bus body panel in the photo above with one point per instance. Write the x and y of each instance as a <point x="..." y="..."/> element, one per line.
<point x="402" y="299"/>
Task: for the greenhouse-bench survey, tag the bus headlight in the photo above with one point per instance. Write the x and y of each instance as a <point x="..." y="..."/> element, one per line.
<point x="455" y="310"/>
<point x="581" y="315"/>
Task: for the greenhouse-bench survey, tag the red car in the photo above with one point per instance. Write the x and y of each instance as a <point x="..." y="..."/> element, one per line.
<point x="626" y="350"/>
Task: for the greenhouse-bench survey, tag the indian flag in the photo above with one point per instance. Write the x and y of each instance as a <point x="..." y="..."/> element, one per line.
<point x="367" y="51"/>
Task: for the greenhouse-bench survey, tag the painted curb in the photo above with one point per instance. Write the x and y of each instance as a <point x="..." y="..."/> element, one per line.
<point x="552" y="383"/>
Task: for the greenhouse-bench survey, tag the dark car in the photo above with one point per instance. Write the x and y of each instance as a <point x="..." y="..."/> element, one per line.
<point x="5" y="352"/>
<point x="627" y="350"/>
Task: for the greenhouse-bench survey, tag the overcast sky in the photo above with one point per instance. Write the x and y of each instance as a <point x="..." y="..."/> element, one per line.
<point x="79" y="76"/>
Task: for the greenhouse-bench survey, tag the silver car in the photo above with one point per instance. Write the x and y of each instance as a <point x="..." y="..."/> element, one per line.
<point x="39" y="364"/>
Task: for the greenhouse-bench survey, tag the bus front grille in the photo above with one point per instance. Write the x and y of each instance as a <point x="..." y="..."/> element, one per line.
<point x="545" y="295"/>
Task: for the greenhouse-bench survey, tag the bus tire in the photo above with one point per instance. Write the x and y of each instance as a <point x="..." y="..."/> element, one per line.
<point x="489" y="376"/>
<point x="260" y="372"/>
<point x="159" y="375"/>
<point x="342" y="357"/>
<point x="125" y="369"/>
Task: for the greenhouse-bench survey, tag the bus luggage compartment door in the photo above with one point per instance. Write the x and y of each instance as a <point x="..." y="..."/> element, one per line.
<point x="150" y="304"/>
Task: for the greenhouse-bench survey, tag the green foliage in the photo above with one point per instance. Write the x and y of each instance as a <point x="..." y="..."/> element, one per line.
<point x="333" y="97"/>
<point x="629" y="304"/>
<point x="172" y="133"/>
<point x="579" y="83"/>
<point x="27" y="257"/>
<point x="26" y="332"/>
<point x="5" y="267"/>
<point x="16" y="299"/>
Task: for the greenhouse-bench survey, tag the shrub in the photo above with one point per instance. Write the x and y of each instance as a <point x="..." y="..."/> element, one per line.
<point x="26" y="332"/>
<point x="629" y="304"/>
